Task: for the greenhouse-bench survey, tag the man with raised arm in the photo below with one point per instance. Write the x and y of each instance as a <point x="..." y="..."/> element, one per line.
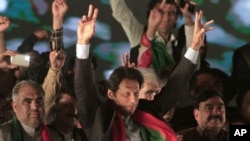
<point x="123" y="117"/>
<point x="154" y="45"/>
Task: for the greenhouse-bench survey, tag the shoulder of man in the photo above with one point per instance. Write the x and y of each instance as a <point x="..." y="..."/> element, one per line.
<point x="6" y="125"/>
<point x="54" y="134"/>
<point x="5" y="131"/>
<point x="188" y="131"/>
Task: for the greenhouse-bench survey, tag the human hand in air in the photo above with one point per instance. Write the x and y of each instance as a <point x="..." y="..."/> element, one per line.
<point x="59" y="8"/>
<point x="126" y="62"/>
<point x="4" y="60"/>
<point x="57" y="60"/>
<point x="4" y="23"/>
<point x="200" y="30"/>
<point x="154" y="19"/>
<point x="86" y="26"/>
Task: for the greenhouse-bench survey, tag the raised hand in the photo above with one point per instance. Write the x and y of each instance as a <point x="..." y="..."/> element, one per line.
<point x="59" y="8"/>
<point x="126" y="62"/>
<point x="155" y="15"/>
<point x="155" y="18"/>
<point x="4" y="60"/>
<point x="187" y="14"/>
<point x="4" y="23"/>
<point x="86" y="26"/>
<point x="57" y="60"/>
<point x="200" y="30"/>
<point x="185" y="11"/>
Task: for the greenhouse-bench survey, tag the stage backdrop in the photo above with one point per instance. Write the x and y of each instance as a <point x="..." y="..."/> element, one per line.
<point x="232" y="28"/>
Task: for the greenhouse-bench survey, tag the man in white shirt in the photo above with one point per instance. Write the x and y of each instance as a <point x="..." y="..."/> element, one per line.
<point x="162" y="18"/>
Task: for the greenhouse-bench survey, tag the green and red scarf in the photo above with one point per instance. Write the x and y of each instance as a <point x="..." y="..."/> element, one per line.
<point x="17" y="131"/>
<point x="156" y="54"/>
<point x="151" y="129"/>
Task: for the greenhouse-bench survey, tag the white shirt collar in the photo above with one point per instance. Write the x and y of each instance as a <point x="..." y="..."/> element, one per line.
<point x="172" y="38"/>
<point x="29" y="130"/>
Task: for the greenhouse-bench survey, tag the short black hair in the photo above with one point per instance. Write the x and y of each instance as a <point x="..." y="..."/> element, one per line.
<point x="122" y="73"/>
<point x="62" y="92"/>
<point x="153" y="3"/>
<point x="102" y="87"/>
<point x="205" y="95"/>
<point x="192" y="83"/>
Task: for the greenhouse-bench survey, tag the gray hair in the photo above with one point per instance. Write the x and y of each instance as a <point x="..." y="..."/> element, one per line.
<point x="31" y="83"/>
<point x="149" y="74"/>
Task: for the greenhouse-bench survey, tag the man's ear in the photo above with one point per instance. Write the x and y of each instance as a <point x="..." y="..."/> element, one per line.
<point x="14" y="105"/>
<point x="196" y="113"/>
<point x="110" y="94"/>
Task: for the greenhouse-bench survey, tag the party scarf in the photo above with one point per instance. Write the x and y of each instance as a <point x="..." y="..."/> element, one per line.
<point x="151" y="128"/>
<point x="118" y="128"/>
<point x="156" y="55"/>
<point x="17" y="131"/>
<point x="160" y="56"/>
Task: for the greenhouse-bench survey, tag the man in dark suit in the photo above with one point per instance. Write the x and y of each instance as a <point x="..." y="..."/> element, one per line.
<point x="123" y="117"/>
<point x="209" y="112"/>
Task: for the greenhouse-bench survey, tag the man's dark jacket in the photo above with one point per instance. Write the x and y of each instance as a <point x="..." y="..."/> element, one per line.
<point x="97" y="118"/>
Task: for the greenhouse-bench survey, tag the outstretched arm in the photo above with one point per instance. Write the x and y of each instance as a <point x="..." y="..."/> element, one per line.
<point x="7" y="79"/>
<point x="180" y="77"/>
<point x="28" y="43"/>
<point x="154" y="19"/>
<point x="187" y="14"/>
<point x="129" y="23"/>
<point x="189" y="23"/>
<point x="59" y="9"/>
<point x="85" y="91"/>
<point x="52" y="81"/>
<point x="4" y="60"/>
<point x="4" y="24"/>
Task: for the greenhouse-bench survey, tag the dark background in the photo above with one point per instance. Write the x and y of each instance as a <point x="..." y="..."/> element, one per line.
<point x="232" y="28"/>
